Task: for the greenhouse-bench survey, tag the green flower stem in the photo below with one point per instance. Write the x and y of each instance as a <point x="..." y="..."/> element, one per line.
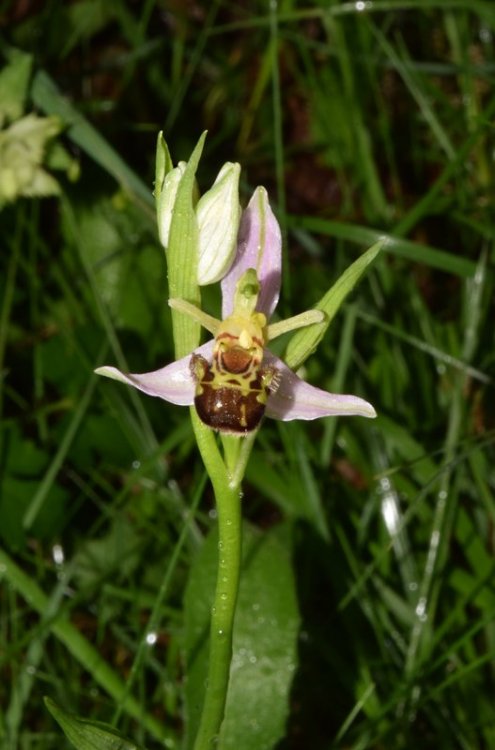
<point x="222" y="617"/>
<point x="228" y="501"/>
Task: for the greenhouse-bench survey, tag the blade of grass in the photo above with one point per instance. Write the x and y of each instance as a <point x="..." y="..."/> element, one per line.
<point x="416" y="89"/>
<point x="147" y="434"/>
<point x="430" y="585"/>
<point x="8" y="295"/>
<point x="438" y="354"/>
<point x="188" y="74"/>
<point x="413" y="251"/>
<point x="156" y="614"/>
<point x="272" y="57"/>
<point x="39" y="498"/>
<point x="89" y="658"/>
<point x="48" y="98"/>
<point x="365" y="161"/>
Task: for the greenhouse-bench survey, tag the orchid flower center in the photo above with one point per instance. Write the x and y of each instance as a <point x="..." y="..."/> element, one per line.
<point x="233" y="389"/>
<point x="239" y="342"/>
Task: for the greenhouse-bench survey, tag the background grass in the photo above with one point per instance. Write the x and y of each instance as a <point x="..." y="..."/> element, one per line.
<point x="363" y="120"/>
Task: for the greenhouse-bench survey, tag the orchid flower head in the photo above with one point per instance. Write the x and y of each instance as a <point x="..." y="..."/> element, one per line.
<point x="234" y="380"/>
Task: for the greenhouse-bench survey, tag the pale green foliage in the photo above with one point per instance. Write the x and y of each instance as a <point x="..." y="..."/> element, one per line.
<point x="22" y="151"/>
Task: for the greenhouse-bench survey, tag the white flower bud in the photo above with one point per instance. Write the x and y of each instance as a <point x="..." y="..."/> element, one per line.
<point x="166" y="199"/>
<point x="218" y="213"/>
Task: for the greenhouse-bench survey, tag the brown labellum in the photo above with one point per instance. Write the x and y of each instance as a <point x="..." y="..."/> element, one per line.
<point x="232" y="401"/>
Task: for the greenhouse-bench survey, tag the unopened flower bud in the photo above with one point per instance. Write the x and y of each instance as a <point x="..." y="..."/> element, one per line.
<point x="165" y="200"/>
<point x="218" y="213"/>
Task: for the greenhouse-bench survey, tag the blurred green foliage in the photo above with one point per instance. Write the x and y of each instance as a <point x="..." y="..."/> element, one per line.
<point x="364" y="121"/>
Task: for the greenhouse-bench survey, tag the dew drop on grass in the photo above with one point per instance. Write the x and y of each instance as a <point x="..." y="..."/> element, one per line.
<point x="485" y="35"/>
<point x="151" y="638"/>
<point x="421" y="609"/>
<point x="58" y="554"/>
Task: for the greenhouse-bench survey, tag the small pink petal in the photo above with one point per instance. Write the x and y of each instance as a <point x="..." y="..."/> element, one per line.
<point x="173" y="383"/>
<point x="296" y="399"/>
<point x="259" y="246"/>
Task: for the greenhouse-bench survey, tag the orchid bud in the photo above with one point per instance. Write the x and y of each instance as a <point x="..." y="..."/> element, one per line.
<point x="165" y="200"/>
<point x="218" y="213"/>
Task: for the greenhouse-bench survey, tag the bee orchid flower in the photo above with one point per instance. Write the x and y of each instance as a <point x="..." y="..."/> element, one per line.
<point x="234" y="380"/>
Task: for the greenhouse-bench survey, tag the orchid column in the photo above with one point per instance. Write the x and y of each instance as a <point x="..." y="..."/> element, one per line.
<point x="233" y="380"/>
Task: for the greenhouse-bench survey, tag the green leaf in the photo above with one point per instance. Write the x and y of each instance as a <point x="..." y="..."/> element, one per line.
<point x="89" y="735"/>
<point x="305" y="341"/>
<point x="265" y="640"/>
<point x="22" y="456"/>
<point x="14" y="81"/>
<point x="15" y="498"/>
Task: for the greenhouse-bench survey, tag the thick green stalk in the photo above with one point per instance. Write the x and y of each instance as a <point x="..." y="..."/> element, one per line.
<point x="228" y="502"/>
<point x="222" y="616"/>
